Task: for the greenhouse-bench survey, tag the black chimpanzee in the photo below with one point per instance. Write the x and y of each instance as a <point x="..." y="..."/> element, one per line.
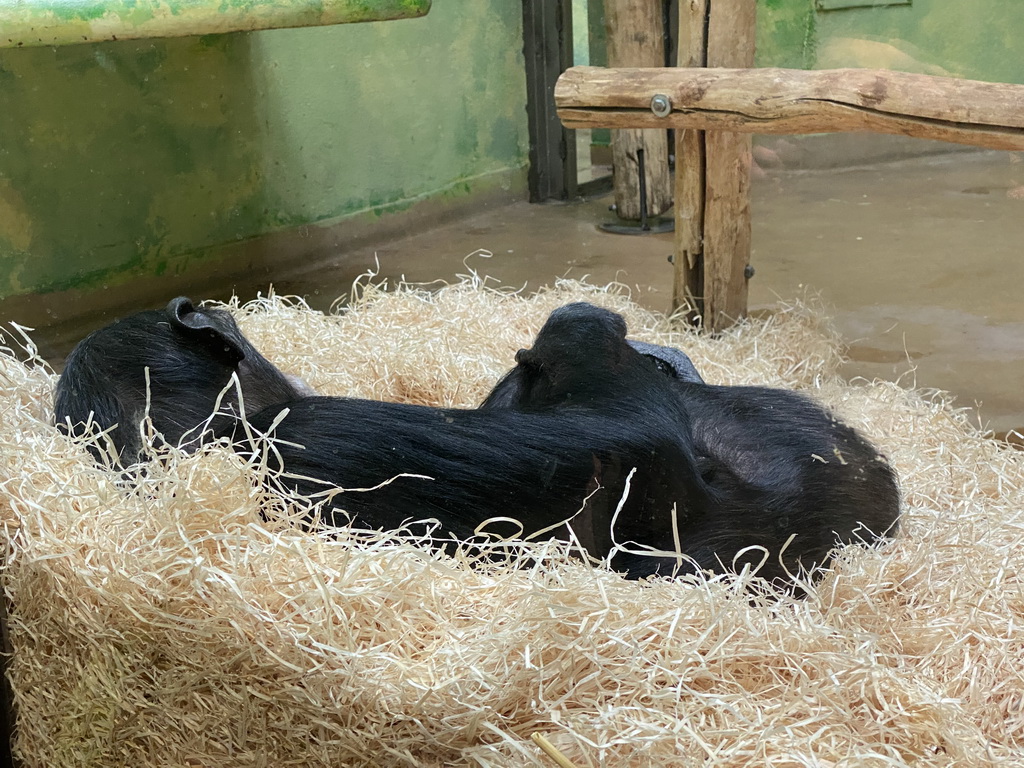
<point x="781" y="475"/>
<point x="619" y="456"/>
<point x="459" y="467"/>
<point x="190" y="354"/>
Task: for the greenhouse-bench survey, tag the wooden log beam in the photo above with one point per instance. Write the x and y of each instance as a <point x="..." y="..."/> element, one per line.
<point x="981" y="114"/>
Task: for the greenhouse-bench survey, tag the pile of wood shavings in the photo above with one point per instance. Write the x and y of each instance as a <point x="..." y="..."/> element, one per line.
<point x="174" y="625"/>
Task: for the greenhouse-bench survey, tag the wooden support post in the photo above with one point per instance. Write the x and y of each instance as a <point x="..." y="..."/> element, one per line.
<point x="688" y="259"/>
<point x="712" y="244"/>
<point x="731" y="33"/>
<point x="636" y="39"/>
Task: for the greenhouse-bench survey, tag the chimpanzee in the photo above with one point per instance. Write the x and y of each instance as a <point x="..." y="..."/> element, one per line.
<point x="190" y="354"/>
<point x="623" y="455"/>
<point x="460" y="467"/>
<point x="782" y="476"/>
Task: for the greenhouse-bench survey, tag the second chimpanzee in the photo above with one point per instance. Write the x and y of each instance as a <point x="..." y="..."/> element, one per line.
<point x="786" y="481"/>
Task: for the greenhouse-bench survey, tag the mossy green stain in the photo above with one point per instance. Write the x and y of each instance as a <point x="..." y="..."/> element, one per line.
<point x="786" y="33"/>
<point x="93" y="185"/>
<point x="977" y="40"/>
<point x="87" y="11"/>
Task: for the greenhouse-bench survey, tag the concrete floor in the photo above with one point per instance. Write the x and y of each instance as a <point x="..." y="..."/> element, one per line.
<point x="920" y="261"/>
<point x="917" y="260"/>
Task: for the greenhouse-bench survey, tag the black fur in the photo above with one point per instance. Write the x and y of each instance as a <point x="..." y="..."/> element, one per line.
<point x="557" y="439"/>
<point x="775" y="465"/>
<point x="622" y="424"/>
<point x="540" y="469"/>
<point x="191" y="354"/>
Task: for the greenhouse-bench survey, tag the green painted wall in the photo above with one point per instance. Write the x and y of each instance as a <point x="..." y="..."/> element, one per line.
<point x="138" y="157"/>
<point x="785" y="33"/>
<point x="977" y="39"/>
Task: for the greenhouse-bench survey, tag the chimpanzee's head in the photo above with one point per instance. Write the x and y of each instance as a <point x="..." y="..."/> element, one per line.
<point x="581" y="356"/>
<point x="173" y="364"/>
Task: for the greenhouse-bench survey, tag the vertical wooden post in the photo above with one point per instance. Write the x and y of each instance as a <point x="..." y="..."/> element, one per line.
<point x="731" y="34"/>
<point x="688" y="283"/>
<point x="636" y="39"/>
<point x="712" y="246"/>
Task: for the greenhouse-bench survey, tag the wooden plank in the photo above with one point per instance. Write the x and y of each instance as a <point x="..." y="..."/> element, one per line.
<point x="981" y="114"/>
<point x="688" y="257"/>
<point x="731" y="33"/>
<point x="65" y="22"/>
<point x="636" y="38"/>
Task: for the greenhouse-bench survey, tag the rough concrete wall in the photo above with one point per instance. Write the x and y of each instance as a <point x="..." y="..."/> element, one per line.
<point x="977" y="39"/>
<point x="129" y="158"/>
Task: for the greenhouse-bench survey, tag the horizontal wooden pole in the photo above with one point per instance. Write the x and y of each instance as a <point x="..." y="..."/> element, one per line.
<point x="64" y="22"/>
<point x="796" y="101"/>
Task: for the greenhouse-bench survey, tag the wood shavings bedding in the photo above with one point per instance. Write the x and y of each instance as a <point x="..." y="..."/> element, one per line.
<point x="175" y="625"/>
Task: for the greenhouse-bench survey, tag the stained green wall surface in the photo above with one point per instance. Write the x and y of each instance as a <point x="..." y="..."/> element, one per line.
<point x="138" y="157"/>
<point x="978" y="39"/>
<point x="785" y="33"/>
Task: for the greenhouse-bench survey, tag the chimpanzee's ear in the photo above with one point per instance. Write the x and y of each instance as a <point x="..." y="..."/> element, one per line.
<point x="527" y="358"/>
<point x="217" y="330"/>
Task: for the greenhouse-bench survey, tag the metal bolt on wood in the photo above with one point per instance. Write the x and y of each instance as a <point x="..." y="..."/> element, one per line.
<point x="661" y="105"/>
